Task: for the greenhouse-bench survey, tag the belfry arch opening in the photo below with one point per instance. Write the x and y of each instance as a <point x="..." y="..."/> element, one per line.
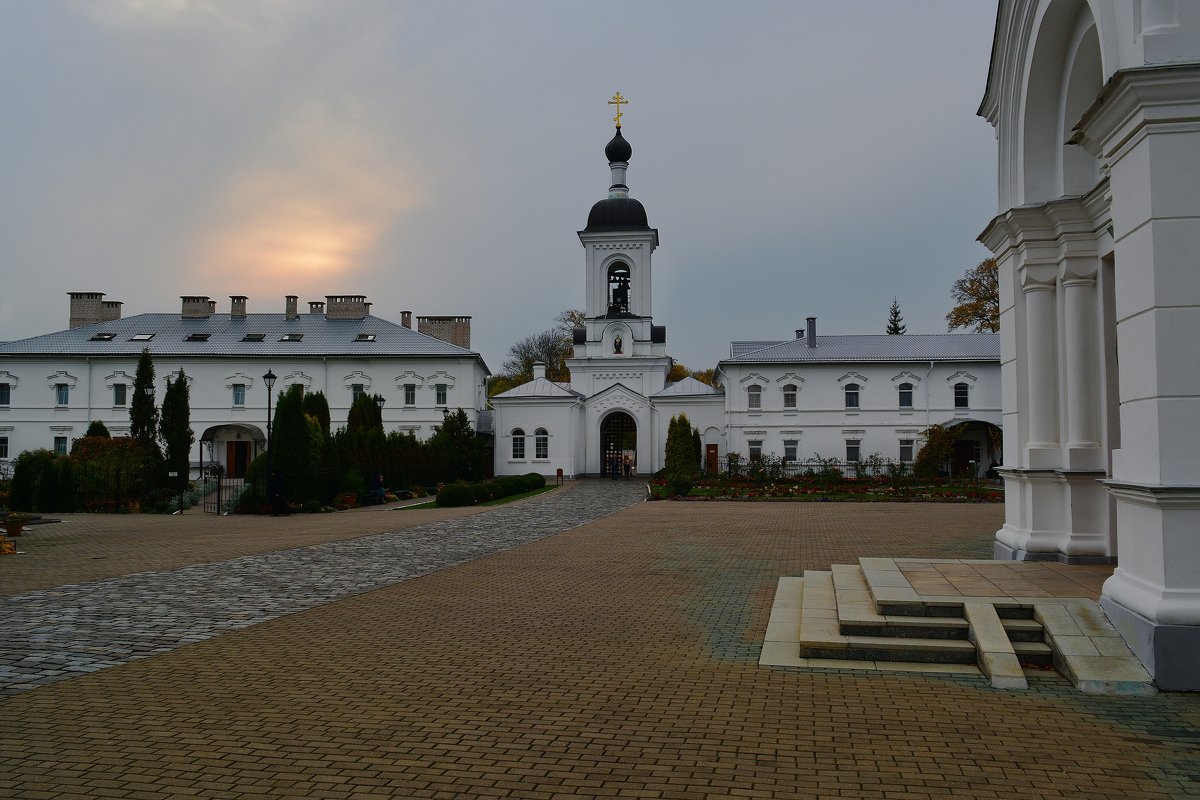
<point x="618" y="289"/>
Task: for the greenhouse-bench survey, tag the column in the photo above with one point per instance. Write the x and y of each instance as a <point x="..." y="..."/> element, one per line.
<point x="1043" y="373"/>
<point x="1079" y="328"/>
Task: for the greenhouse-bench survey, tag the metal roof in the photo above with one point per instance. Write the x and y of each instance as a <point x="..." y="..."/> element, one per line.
<point x="689" y="386"/>
<point x="540" y="387"/>
<point x="174" y="335"/>
<point x="871" y="347"/>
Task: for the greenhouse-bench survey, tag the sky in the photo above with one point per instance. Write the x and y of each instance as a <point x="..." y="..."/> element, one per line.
<point x="798" y="158"/>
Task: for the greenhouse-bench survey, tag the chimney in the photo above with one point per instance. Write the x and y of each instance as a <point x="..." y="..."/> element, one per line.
<point x="455" y="330"/>
<point x="290" y="306"/>
<point x="110" y="310"/>
<point x="539" y="370"/>
<point x="195" y="306"/>
<point x="316" y="307"/>
<point x="811" y="336"/>
<point x="212" y="307"/>
<point x="87" y="308"/>
<point x="799" y="333"/>
<point x="346" y="306"/>
<point x="237" y="306"/>
<point x="406" y="319"/>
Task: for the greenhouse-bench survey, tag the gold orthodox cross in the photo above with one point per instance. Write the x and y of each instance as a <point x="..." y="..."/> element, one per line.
<point x="616" y="101"/>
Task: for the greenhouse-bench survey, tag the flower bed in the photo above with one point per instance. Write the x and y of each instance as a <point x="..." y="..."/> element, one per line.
<point x="861" y="490"/>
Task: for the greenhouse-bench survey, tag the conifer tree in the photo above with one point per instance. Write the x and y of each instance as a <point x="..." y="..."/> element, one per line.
<point x="143" y="416"/>
<point x="895" y="326"/>
<point x="98" y="429"/>
<point x="317" y="406"/>
<point x="176" y="425"/>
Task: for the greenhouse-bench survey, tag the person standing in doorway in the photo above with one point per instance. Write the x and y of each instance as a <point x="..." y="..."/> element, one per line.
<point x="628" y="466"/>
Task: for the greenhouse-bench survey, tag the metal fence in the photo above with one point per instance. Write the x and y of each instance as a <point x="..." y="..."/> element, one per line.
<point x="774" y="468"/>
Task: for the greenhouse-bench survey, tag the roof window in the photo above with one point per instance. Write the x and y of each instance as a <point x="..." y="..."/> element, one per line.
<point x="365" y="337"/>
<point x="141" y="337"/>
<point x="197" y="337"/>
<point x="254" y="337"/>
<point x="291" y="337"/>
<point x="103" y="337"/>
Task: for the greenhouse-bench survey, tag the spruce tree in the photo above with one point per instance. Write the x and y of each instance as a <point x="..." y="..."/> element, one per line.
<point x="98" y="429"/>
<point x="895" y="326"/>
<point x="317" y="406"/>
<point x="176" y="425"/>
<point x="143" y="416"/>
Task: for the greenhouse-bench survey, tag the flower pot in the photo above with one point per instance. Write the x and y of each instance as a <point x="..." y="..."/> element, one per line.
<point x="14" y="528"/>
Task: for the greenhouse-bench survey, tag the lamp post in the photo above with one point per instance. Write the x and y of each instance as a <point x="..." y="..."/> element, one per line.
<point x="269" y="380"/>
<point x="379" y="401"/>
<point x="148" y="390"/>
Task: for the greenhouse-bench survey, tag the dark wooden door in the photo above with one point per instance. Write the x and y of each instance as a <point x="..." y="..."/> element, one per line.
<point x="711" y="465"/>
<point x="237" y="459"/>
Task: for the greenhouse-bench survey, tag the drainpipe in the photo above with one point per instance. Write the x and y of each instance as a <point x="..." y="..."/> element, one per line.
<point x="89" y="397"/>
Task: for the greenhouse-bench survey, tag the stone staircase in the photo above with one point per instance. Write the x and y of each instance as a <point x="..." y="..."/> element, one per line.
<point x="869" y="616"/>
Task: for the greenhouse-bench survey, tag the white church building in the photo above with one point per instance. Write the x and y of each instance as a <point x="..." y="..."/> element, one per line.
<point x="1096" y="106"/>
<point x="837" y="397"/>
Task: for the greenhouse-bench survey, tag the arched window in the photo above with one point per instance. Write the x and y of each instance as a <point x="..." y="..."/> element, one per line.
<point x="962" y="395"/>
<point x="754" y="397"/>
<point x="618" y="289"/>
<point x="541" y="443"/>
<point x="851" y="396"/>
<point x="518" y="444"/>
<point x="906" y="390"/>
<point x="789" y="395"/>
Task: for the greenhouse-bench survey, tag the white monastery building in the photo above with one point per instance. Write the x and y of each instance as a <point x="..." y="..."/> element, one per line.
<point x="53" y="386"/>
<point x="1096" y="106"/>
<point x="838" y="397"/>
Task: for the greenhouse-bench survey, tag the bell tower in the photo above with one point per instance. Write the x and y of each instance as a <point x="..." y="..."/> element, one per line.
<point x="618" y="245"/>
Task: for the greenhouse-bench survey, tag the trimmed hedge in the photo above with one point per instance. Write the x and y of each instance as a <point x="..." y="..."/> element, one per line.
<point x="482" y="495"/>
<point x="536" y="480"/>
<point x="456" y="494"/>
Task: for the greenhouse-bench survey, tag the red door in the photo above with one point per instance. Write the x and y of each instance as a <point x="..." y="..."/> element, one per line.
<point x="711" y="466"/>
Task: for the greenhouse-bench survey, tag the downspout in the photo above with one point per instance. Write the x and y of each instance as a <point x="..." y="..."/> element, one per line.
<point x="89" y="392"/>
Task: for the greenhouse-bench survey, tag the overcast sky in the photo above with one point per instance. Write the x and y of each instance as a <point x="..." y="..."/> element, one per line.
<point x="797" y="158"/>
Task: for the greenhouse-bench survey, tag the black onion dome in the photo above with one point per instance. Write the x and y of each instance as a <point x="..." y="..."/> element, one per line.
<point x="617" y="213"/>
<point x="618" y="149"/>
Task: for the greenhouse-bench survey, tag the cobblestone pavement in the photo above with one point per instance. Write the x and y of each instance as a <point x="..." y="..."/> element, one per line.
<point x="617" y="659"/>
<point x="49" y="635"/>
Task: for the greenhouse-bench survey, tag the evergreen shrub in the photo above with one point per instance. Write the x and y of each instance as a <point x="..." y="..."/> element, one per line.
<point x="481" y="492"/>
<point x="454" y="495"/>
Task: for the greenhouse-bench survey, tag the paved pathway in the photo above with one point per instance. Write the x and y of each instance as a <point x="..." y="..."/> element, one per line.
<point x="49" y="635"/>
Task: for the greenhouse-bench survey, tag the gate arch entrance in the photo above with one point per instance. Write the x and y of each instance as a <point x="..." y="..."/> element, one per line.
<point x="618" y="440"/>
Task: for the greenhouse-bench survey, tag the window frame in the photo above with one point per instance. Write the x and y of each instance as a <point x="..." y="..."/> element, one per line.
<point x="911" y="445"/>
<point x="754" y="397"/>
<point x="5" y="394"/>
<point x="410" y="394"/>
<point x="120" y="395"/>
<point x="854" y="445"/>
<point x="357" y="390"/>
<point x="901" y="390"/>
<point x="3" y="448"/>
<point x="541" y="444"/>
<point x="854" y="389"/>
<point x="62" y="445"/>
<point x="790" y="393"/>
<point x="239" y="395"/>
<point x="440" y="394"/>
<point x="754" y="447"/>
<point x="62" y="394"/>
<point x="962" y="396"/>
<point x="794" y="446"/>
<point x="518" y="444"/>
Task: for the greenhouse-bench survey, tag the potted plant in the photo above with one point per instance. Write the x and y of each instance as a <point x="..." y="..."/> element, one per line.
<point x="14" y="522"/>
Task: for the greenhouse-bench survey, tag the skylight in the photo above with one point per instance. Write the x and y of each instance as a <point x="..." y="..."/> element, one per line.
<point x="141" y="337"/>
<point x="103" y="337"/>
<point x="291" y="337"/>
<point x="253" y="337"/>
<point x="198" y="337"/>
<point x="365" y="337"/>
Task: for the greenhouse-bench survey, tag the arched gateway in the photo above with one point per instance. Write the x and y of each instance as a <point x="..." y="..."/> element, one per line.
<point x="618" y="441"/>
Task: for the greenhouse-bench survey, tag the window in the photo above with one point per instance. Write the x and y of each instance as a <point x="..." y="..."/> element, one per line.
<point x="119" y="392"/>
<point x="906" y="451"/>
<point x="239" y="394"/>
<point x="755" y="446"/>
<point x="790" y="448"/>
<point x="441" y="393"/>
<point x="962" y="395"/>
<point x="197" y="337"/>
<point x="3" y="447"/>
<point x="410" y="394"/>
<point x="541" y="443"/>
<point x="60" y="445"/>
<point x="103" y="337"/>
<point x="356" y="391"/>
<point x="365" y="337"/>
<point x="853" y="450"/>
<point x="789" y="396"/>
<point x="905" y="395"/>
<point x="851" y="396"/>
<point x="254" y="337"/>
<point x="518" y="445"/>
<point x="5" y="394"/>
<point x="62" y="394"/>
<point x="754" y="397"/>
<point x="141" y="337"/>
<point x="291" y="337"/>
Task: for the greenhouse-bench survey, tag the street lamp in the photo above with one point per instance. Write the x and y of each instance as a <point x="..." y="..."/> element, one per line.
<point x="379" y="401"/>
<point x="269" y="380"/>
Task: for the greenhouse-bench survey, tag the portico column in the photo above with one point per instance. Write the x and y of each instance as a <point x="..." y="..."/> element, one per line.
<point x="1079" y="328"/>
<point x="1043" y="372"/>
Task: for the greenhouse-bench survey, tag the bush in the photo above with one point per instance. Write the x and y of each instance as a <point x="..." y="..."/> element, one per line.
<point x="536" y="480"/>
<point x="456" y="494"/>
<point x="481" y="492"/>
<point x="680" y="484"/>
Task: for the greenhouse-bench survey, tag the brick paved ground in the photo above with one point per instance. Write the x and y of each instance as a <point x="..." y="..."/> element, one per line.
<point x="617" y="659"/>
